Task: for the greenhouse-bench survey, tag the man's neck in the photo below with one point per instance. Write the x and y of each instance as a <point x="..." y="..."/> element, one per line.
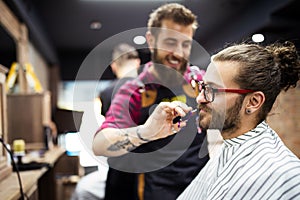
<point x="165" y="80"/>
<point x="127" y="71"/>
<point x="127" y="75"/>
<point x="245" y="126"/>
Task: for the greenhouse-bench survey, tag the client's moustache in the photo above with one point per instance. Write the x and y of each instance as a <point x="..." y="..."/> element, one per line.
<point x="204" y="107"/>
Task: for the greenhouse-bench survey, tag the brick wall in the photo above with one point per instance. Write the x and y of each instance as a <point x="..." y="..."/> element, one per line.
<point x="285" y="118"/>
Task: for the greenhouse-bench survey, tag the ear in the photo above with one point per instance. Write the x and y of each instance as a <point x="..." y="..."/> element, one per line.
<point x="255" y="102"/>
<point x="113" y="67"/>
<point x="138" y="63"/>
<point x="150" y="40"/>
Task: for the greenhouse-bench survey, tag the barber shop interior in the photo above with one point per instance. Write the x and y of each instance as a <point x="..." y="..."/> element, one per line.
<point x="129" y="99"/>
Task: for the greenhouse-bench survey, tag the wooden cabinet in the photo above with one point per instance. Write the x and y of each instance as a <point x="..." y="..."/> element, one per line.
<point x="28" y="115"/>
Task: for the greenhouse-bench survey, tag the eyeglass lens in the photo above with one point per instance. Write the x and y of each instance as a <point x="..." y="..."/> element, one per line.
<point x="208" y="91"/>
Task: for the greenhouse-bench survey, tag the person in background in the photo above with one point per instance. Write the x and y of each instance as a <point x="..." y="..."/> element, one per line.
<point x="158" y="165"/>
<point x="125" y="64"/>
<point x="240" y="87"/>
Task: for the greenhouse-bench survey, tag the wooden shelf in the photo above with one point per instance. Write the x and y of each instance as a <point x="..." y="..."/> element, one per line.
<point x="10" y="189"/>
<point x="33" y="181"/>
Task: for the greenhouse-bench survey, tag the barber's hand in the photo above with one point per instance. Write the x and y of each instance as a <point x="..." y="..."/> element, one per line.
<point x="160" y="122"/>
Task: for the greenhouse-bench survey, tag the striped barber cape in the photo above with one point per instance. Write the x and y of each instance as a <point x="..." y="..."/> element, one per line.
<point x="256" y="165"/>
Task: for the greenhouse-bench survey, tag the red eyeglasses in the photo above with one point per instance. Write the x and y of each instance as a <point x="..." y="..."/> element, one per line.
<point x="209" y="92"/>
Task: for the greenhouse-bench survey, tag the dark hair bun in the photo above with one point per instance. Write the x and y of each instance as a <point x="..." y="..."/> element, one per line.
<point x="286" y="59"/>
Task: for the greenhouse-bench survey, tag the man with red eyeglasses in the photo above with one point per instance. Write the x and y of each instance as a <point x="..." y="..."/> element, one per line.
<point x="240" y="87"/>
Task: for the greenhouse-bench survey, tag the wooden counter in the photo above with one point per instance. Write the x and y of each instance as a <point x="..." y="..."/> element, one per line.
<point x="37" y="184"/>
<point x="10" y="189"/>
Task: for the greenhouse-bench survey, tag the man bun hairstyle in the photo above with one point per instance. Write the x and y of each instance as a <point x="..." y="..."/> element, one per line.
<point x="286" y="58"/>
<point x="269" y="69"/>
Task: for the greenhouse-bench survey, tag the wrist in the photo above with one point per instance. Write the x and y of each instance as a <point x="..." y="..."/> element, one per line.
<point x="141" y="136"/>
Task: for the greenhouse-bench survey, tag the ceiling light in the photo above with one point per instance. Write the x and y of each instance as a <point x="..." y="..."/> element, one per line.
<point x="258" y="38"/>
<point x="95" y="25"/>
<point x="139" y="40"/>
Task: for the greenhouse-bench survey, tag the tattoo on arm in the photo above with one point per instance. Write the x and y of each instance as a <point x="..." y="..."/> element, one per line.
<point x="122" y="144"/>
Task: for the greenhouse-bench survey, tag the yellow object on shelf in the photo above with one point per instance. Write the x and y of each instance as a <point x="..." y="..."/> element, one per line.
<point x="19" y="147"/>
<point x="31" y="77"/>
<point x="12" y="76"/>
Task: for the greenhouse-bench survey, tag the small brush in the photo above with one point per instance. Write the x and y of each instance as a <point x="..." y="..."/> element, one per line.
<point x="187" y="117"/>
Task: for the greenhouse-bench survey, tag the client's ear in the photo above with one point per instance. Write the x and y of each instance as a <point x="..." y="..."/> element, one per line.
<point x="255" y="101"/>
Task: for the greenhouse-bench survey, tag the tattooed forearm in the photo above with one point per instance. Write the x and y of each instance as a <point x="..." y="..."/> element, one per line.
<point x="122" y="144"/>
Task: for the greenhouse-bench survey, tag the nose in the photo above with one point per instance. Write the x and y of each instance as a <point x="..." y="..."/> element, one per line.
<point x="178" y="51"/>
<point x="200" y="98"/>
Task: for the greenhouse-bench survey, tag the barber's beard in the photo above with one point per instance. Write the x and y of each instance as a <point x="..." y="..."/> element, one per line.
<point x="167" y="74"/>
<point x="224" y="120"/>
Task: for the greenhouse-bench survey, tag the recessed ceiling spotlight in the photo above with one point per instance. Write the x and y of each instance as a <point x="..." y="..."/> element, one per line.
<point x="95" y="25"/>
<point x="139" y="40"/>
<point x="258" y="38"/>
